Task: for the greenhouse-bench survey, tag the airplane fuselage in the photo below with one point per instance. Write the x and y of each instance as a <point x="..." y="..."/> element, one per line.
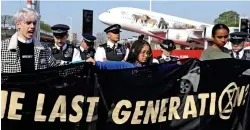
<point x="142" y="21"/>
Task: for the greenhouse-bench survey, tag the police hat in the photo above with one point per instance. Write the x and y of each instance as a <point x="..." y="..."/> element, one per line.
<point x="115" y="27"/>
<point x="89" y="39"/>
<point x="60" y="29"/>
<point x="238" y="37"/>
<point x="168" y="45"/>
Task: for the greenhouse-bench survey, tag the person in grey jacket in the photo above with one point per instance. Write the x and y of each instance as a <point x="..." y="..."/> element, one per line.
<point x="220" y="35"/>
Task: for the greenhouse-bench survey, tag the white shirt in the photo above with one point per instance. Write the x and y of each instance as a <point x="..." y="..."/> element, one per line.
<point x="77" y="54"/>
<point x="64" y="46"/>
<point x="162" y="56"/>
<point x="155" y="61"/>
<point x="24" y="41"/>
<point x="241" y="53"/>
<point x="100" y="54"/>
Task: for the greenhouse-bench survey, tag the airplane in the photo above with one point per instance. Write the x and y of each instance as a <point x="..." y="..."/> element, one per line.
<point x="160" y="26"/>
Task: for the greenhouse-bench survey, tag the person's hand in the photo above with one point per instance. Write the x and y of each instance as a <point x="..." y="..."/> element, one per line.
<point x="105" y="59"/>
<point x="123" y="60"/>
<point x="91" y="60"/>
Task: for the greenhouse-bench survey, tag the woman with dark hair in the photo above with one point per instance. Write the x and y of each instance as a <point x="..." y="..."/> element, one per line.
<point x="220" y="34"/>
<point x="140" y="53"/>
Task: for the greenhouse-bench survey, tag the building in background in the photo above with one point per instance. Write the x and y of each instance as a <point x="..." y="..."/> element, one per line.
<point x="73" y="38"/>
<point x="101" y="38"/>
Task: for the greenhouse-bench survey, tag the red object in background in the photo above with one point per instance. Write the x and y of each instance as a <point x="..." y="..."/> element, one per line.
<point x="247" y="44"/>
<point x="181" y="54"/>
<point x="29" y="1"/>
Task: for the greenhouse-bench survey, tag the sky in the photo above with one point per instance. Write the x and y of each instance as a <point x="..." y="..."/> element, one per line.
<point x="55" y="12"/>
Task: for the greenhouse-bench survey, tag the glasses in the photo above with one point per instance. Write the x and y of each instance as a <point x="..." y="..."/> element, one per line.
<point x="145" y="53"/>
<point x="226" y="36"/>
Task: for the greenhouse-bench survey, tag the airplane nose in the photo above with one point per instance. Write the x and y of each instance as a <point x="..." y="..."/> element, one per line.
<point x="102" y="17"/>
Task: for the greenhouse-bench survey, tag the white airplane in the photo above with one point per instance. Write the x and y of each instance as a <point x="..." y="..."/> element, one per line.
<point x="160" y="26"/>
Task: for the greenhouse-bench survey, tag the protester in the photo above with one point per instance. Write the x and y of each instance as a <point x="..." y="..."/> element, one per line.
<point x="112" y="51"/>
<point x="84" y="51"/>
<point x="220" y="33"/>
<point x="238" y="40"/>
<point x="23" y="52"/>
<point x="167" y="47"/>
<point x="62" y="51"/>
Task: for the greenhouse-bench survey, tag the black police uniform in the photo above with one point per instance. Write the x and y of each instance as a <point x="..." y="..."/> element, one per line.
<point x="90" y="52"/>
<point x="115" y="53"/>
<point x="169" y="46"/>
<point x="237" y="38"/>
<point x="62" y="55"/>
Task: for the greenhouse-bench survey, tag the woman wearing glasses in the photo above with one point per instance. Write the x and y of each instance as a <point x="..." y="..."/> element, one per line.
<point x="220" y="33"/>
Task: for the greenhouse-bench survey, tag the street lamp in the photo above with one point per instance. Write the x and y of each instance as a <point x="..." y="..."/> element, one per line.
<point x="150" y="5"/>
<point x="150" y="8"/>
<point x="70" y="30"/>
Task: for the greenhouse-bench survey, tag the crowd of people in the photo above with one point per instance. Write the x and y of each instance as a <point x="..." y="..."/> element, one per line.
<point x="24" y="53"/>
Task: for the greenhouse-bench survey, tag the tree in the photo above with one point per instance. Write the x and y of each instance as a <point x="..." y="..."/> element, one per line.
<point x="12" y="22"/>
<point x="6" y="19"/>
<point x="45" y="27"/>
<point x="229" y="18"/>
<point x="3" y="20"/>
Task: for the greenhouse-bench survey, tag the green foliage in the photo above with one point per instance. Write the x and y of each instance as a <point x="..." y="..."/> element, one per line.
<point x="45" y="27"/>
<point x="229" y="18"/>
<point x="7" y="19"/>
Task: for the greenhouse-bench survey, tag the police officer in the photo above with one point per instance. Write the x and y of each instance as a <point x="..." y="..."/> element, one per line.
<point x="85" y="50"/>
<point x="111" y="50"/>
<point x="167" y="47"/>
<point x="238" y="40"/>
<point x="141" y="37"/>
<point x="62" y="51"/>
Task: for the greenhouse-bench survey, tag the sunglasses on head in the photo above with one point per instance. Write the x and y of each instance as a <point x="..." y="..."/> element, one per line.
<point x="226" y="36"/>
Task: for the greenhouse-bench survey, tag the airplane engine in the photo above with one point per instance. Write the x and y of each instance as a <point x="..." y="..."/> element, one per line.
<point x="177" y="35"/>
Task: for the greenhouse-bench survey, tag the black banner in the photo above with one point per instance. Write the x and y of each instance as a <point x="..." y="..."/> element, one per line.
<point x="197" y="95"/>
